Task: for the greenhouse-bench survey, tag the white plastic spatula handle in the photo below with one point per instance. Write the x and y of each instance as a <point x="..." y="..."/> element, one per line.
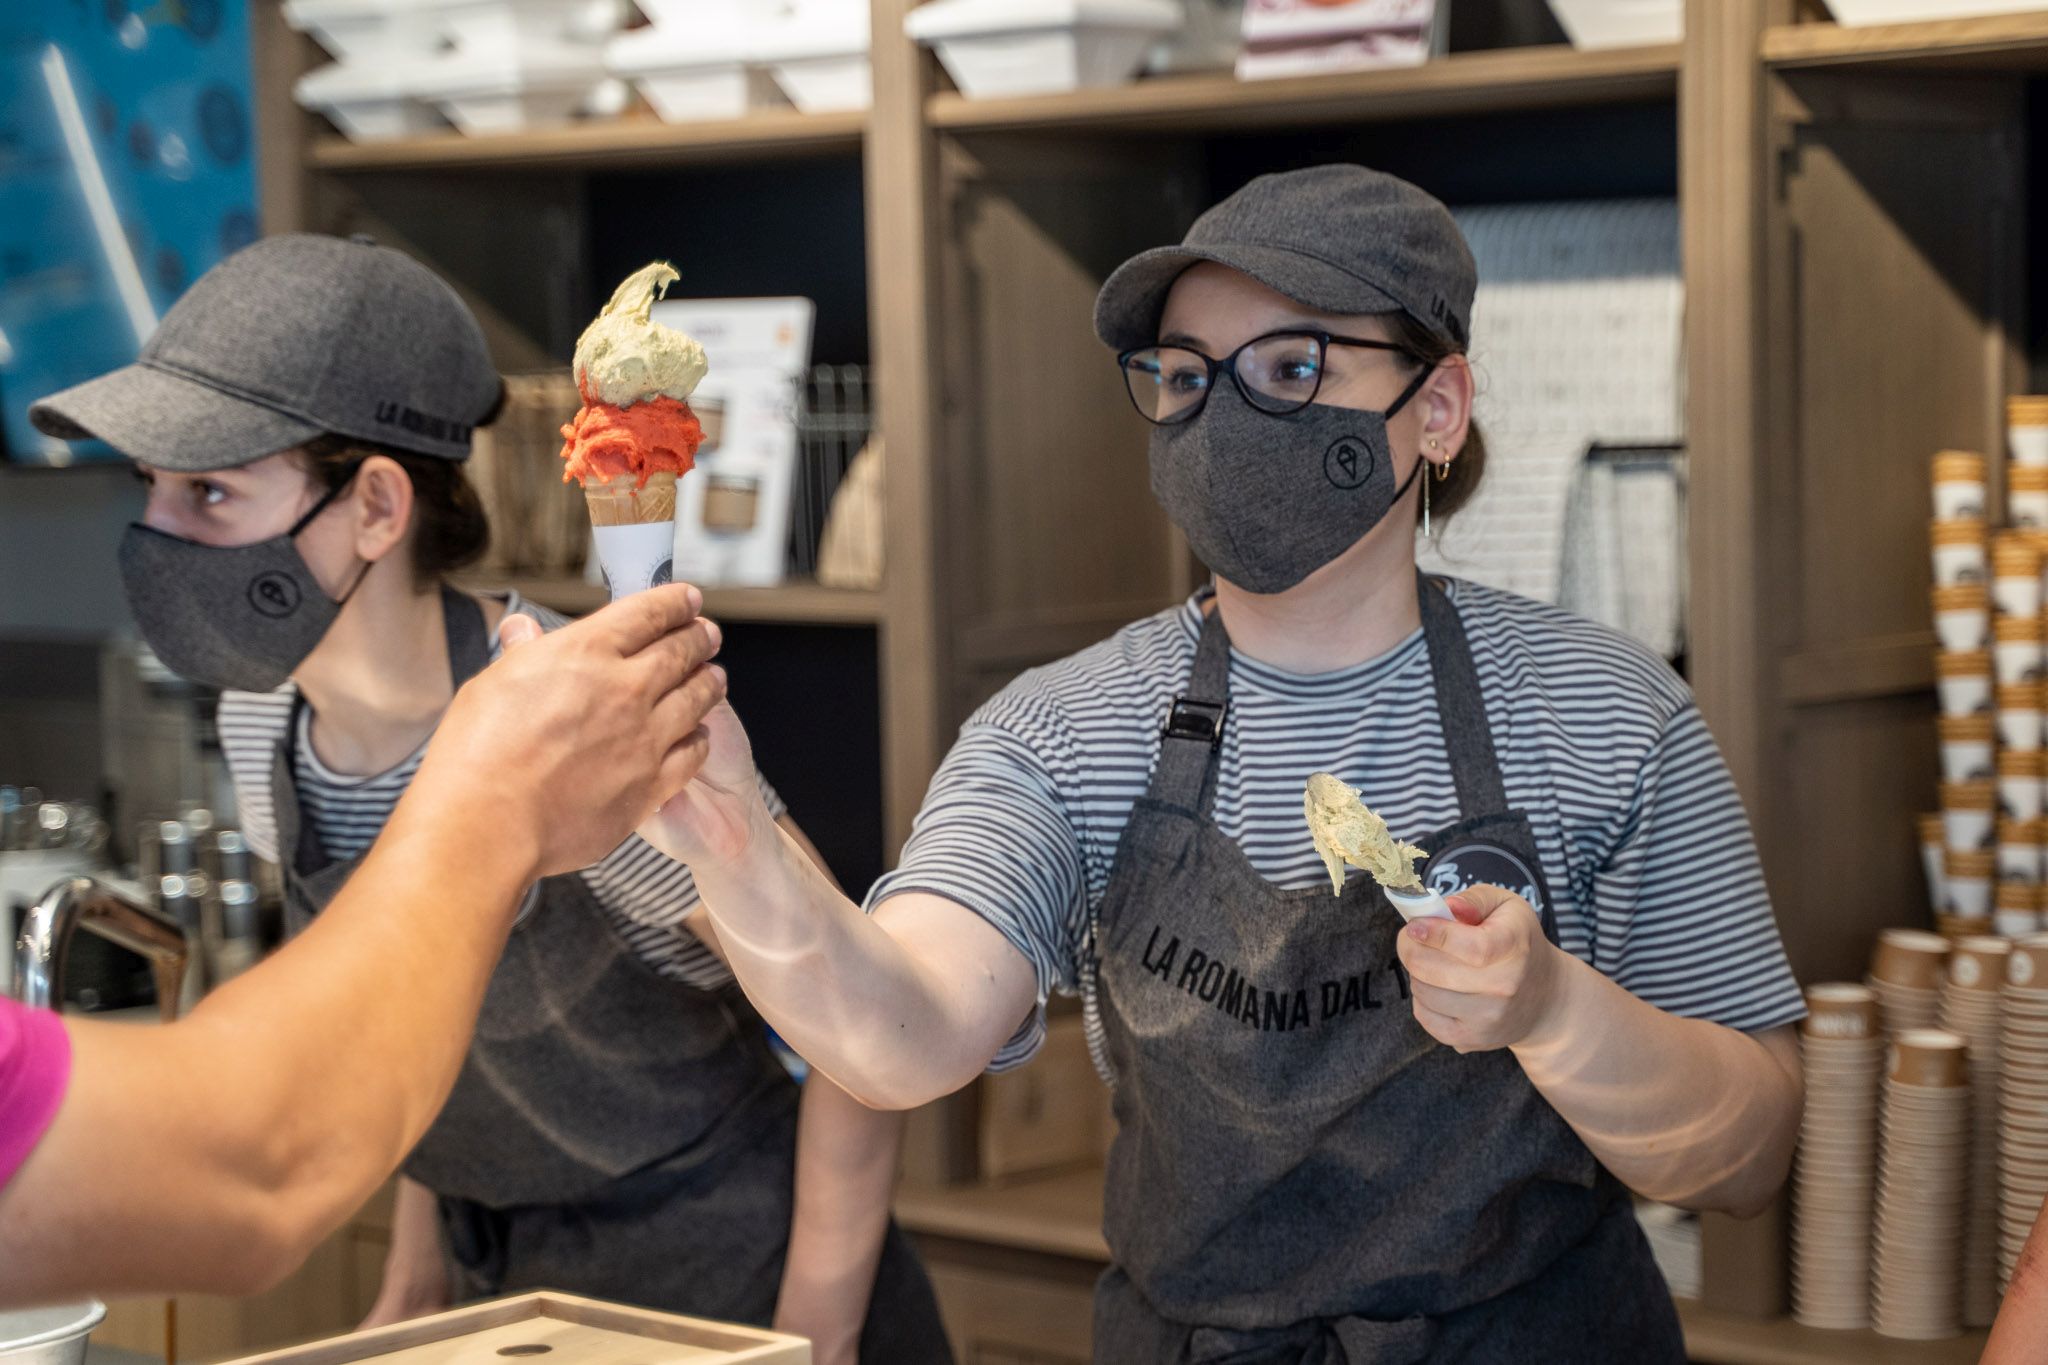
<point x="1415" y="905"/>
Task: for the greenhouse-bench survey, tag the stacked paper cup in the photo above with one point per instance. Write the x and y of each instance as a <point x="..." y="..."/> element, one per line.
<point x="1970" y="1008"/>
<point x="1989" y="619"/>
<point x="1922" y="1181"/>
<point x="2026" y="430"/>
<point x="2023" y="1098"/>
<point x="1905" y="976"/>
<point x="1835" y="1181"/>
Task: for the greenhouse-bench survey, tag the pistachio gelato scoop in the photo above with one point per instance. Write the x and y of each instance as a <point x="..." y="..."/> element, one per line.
<point x="1346" y="832"/>
<point x="624" y="356"/>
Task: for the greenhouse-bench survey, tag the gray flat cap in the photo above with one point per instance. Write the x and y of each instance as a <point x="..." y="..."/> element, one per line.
<point x="1338" y="239"/>
<point x="292" y="337"/>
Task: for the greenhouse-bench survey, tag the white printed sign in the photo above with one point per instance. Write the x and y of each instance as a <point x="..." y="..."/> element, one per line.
<point x="733" y="510"/>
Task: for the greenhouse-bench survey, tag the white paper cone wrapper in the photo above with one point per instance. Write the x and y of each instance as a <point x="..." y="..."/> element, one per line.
<point x="1415" y="905"/>
<point x="636" y="558"/>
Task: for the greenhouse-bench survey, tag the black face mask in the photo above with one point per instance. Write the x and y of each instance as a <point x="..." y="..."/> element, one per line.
<point x="1267" y="500"/>
<point x="240" y="617"/>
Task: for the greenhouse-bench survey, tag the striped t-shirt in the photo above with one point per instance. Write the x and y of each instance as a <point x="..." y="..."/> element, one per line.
<point x="1652" y="870"/>
<point x="647" y="894"/>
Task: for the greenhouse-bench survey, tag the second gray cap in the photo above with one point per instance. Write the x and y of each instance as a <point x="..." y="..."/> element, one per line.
<point x="288" y="339"/>
<point x="1338" y="239"/>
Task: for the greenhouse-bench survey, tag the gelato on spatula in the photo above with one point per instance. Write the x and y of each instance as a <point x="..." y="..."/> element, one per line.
<point x="636" y="377"/>
<point x="1345" y="831"/>
<point x="635" y="434"/>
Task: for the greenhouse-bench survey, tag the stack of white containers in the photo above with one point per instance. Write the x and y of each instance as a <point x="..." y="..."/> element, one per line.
<point x="517" y="64"/>
<point x="488" y="66"/>
<point x="1007" y="48"/>
<point x="1984" y="851"/>
<point x="704" y="60"/>
<point x="371" y="89"/>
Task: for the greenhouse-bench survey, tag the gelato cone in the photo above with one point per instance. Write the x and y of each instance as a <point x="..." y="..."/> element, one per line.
<point x="635" y="434"/>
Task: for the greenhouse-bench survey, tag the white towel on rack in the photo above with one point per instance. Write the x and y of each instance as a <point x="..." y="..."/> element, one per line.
<point x="1575" y="340"/>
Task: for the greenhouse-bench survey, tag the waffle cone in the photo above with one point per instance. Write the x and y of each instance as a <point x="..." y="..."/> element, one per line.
<point x="624" y="501"/>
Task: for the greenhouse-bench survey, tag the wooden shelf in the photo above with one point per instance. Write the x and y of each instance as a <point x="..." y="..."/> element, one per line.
<point x="801" y="604"/>
<point x="1713" y="1338"/>
<point x="600" y="143"/>
<point x="1061" y="1215"/>
<point x="2006" y="42"/>
<point x="1509" y="80"/>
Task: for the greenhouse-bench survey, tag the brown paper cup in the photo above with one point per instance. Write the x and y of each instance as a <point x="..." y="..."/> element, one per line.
<point x="1977" y="729"/>
<point x="1969" y="796"/>
<point x="1930" y="1058"/>
<point x="1962" y="466"/>
<point x="1978" y="963"/>
<point x="1910" y="957"/>
<point x="1966" y="531"/>
<point x="1965" y="663"/>
<point x="2027" y="967"/>
<point x="1840" y="1009"/>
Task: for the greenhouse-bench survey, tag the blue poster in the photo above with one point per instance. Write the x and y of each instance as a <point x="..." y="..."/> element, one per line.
<point x="127" y="168"/>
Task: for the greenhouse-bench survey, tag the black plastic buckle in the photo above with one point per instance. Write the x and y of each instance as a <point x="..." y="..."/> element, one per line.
<point x="1201" y="721"/>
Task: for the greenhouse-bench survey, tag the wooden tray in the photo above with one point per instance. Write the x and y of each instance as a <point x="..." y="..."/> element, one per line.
<point x="550" y="1329"/>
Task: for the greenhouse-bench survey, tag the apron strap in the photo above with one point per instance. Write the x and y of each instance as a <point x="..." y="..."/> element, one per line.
<point x="1461" y="710"/>
<point x="1191" y="743"/>
<point x="469" y="643"/>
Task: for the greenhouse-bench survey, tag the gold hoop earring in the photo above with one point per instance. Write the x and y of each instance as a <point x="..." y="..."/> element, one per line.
<point x="1443" y="471"/>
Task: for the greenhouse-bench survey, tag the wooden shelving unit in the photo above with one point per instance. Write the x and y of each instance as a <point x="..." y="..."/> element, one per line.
<point x="2007" y="42"/>
<point x="1839" y="189"/>
<point x="792" y="604"/>
<point x="1715" y="1338"/>
<point x="1060" y="1215"/>
<point x="1512" y="80"/>
<point x="609" y="144"/>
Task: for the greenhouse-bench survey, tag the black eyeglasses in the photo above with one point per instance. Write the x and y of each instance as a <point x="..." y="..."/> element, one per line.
<point x="1278" y="373"/>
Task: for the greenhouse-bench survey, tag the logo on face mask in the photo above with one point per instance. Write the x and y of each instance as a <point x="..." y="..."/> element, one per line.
<point x="1348" y="463"/>
<point x="664" y="575"/>
<point x="274" y="594"/>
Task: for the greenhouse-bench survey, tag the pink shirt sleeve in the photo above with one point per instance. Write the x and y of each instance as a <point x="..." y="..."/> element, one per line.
<point x="35" y="1066"/>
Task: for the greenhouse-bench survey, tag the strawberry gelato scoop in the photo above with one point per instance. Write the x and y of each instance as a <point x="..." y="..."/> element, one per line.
<point x="636" y="377"/>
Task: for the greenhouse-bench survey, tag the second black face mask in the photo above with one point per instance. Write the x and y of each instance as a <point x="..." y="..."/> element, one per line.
<point x="1266" y="501"/>
<point x="234" y="617"/>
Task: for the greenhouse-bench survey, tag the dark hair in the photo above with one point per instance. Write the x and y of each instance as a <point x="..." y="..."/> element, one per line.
<point x="449" y="529"/>
<point x="1461" y="481"/>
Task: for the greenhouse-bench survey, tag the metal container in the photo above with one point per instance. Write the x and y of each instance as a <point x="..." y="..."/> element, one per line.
<point x="49" y="1336"/>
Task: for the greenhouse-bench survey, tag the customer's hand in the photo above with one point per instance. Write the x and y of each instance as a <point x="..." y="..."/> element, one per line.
<point x="719" y="814"/>
<point x="562" y="746"/>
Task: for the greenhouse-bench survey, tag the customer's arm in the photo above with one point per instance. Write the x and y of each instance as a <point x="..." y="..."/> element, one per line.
<point x="2020" y="1335"/>
<point x="213" y="1154"/>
